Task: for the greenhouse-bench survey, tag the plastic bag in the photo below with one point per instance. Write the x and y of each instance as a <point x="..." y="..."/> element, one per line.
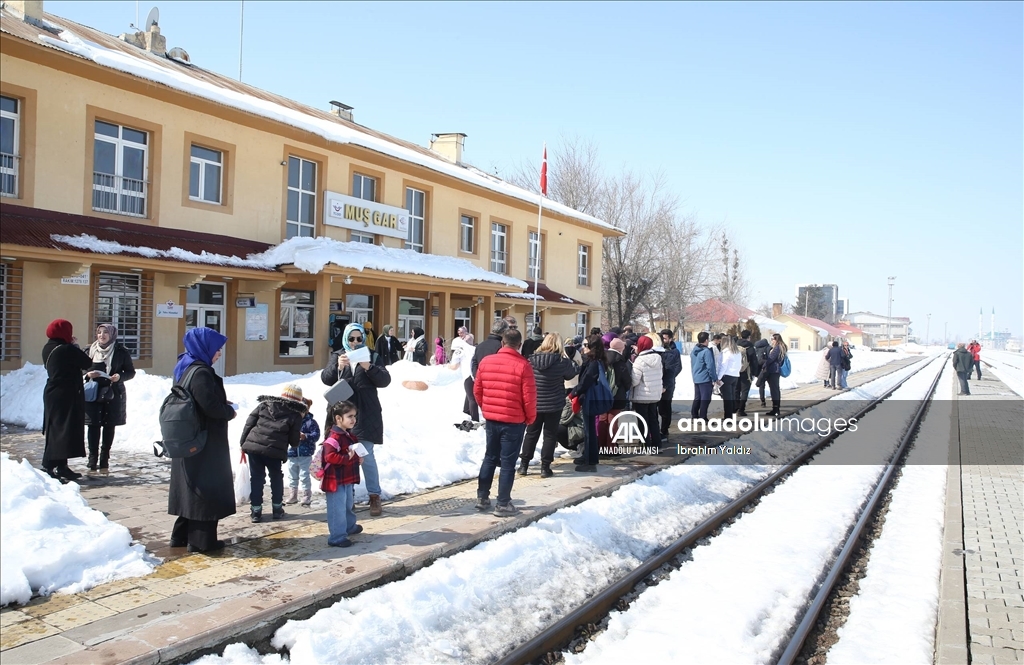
<point x="242" y="483"/>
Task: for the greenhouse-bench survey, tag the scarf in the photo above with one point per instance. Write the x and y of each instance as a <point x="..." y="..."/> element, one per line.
<point x="104" y="354"/>
<point x="200" y="344"/>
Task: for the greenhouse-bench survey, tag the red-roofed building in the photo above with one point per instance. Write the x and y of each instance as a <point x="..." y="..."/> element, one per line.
<point x="713" y="315"/>
<point x="856" y="336"/>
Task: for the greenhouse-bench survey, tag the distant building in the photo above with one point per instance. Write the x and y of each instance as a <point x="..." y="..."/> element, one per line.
<point x="828" y="295"/>
<point x="878" y="327"/>
<point x="714" y="315"/>
<point x="804" y="333"/>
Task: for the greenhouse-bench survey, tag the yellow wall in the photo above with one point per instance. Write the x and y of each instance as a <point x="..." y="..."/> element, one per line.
<point x="810" y="340"/>
<point x="48" y="300"/>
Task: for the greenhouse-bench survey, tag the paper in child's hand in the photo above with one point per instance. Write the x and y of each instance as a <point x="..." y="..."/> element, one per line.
<point x="360" y="450"/>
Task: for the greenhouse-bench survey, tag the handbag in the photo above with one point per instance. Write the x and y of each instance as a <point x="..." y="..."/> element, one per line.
<point x="339" y="392"/>
<point x="95" y="392"/>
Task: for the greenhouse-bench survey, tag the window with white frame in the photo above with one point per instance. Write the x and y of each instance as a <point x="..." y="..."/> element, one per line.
<point x="416" y="204"/>
<point x="581" y="323"/>
<point x="120" y="169"/>
<point x="467" y="234"/>
<point x="356" y="236"/>
<point x="205" y="169"/>
<point x="536" y="255"/>
<point x="295" y="337"/>
<point x="301" y="219"/>
<point x="583" y="266"/>
<point x="364" y="187"/>
<point x="119" y="301"/>
<point x="10" y="127"/>
<point x="794" y="344"/>
<point x="499" y="248"/>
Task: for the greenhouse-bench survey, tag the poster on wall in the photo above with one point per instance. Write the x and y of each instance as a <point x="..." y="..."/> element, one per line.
<point x="256" y="323"/>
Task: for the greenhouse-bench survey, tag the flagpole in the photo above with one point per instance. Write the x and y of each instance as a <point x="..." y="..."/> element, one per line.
<point x="540" y="238"/>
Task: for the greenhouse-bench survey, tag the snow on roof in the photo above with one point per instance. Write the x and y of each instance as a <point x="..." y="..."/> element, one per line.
<point x="312" y="254"/>
<point x="766" y="323"/>
<point x="93" y="244"/>
<point x="174" y="77"/>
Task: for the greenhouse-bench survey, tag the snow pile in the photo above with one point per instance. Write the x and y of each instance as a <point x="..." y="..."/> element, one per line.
<point x="52" y="541"/>
<point x="93" y="244"/>
<point x="312" y="254"/>
<point x="1007" y="366"/>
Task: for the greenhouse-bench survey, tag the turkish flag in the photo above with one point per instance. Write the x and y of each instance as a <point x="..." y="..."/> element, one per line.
<point x="544" y="173"/>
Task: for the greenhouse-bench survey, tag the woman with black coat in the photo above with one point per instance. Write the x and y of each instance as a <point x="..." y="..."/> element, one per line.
<point x="364" y="379"/>
<point x="202" y="489"/>
<point x="63" y="400"/>
<point x="112" y="358"/>
<point x="551" y="368"/>
<point x="595" y="361"/>
<point x="389" y="349"/>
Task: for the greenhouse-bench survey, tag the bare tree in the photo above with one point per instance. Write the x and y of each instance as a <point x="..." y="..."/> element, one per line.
<point x="733" y="286"/>
<point x="686" y="270"/>
<point x="574" y="175"/>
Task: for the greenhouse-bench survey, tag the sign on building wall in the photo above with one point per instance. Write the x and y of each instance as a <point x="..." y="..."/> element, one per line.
<point x="77" y="280"/>
<point x="256" y="323"/>
<point x="169" y="310"/>
<point x="348" y="212"/>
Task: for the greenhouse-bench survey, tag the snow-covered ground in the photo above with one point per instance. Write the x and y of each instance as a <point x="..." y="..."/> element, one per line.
<point x="737" y="600"/>
<point x="52" y="541"/>
<point x="475" y="605"/>
<point x="1007" y="366"/>
<point x="892" y="618"/>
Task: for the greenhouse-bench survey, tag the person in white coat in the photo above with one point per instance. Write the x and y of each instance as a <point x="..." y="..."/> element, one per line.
<point x="729" y="374"/>
<point x="648" y="385"/>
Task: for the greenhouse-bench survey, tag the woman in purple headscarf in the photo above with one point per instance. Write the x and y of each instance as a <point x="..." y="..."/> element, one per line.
<point x="202" y="491"/>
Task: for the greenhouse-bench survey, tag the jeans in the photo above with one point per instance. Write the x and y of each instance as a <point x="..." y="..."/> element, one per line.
<point x="341" y="514"/>
<point x="591" y="443"/>
<point x="371" y="477"/>
<point x="259" y="465"/>
<point x="964" y="388"/>
<point x="773" y="384"/>
<point x="93" y="435"/>
<point x="298" y="468"/>
<point x="842" y="379"/>
<point x="742" y="392"/>
<point x="835" y="375"/>
<point x="504" y="441"/>
<point x="665" y="409"/>
<point x="548" y="423"/>
<point x="728" y="391"/>
<point x="701" y="400"/>
<point x="976" y="365"/>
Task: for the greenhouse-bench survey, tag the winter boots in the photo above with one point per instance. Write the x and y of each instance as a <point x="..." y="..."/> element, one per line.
<point x="545" y="470"/>
<point x="375" y="508"/>
<point x="293" y="496"/>
<point x="307" y="498"/>
<point x="256" y="514"/>
<point x="92" y="461"/>
<point x="278" y="510"/>
<point x="524" y="468"/>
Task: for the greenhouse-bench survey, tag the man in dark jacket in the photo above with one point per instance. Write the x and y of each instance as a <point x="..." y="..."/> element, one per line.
<point x="490" y="345"/>
<point x="531" y="344"/>
<point x="746" y="377"/>
<point x="835" y="365"/>
<point x="364" y="380"/>
<point x="506" y="391"/>
<point x="672" y="365"/>
<point x="761" y="350"/>
<point x="962" y="363"/>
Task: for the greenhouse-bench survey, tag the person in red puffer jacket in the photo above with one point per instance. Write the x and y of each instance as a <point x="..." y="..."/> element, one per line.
<point x="506" y="391"/>
<point x="341" y="474"/>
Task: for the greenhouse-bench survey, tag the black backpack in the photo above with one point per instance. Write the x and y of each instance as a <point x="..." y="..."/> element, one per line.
<point x="180" y="425"/>
<point x="761" y="352"/>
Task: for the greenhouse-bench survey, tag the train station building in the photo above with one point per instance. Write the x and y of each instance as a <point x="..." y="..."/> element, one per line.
<point x="139" y="188"/>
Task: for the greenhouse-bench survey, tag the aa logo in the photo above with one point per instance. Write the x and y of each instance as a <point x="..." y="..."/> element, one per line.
<point x="625" y="428"/>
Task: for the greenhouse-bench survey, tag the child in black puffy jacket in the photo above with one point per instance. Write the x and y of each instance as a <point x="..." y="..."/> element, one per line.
<point x="271" y="429"/>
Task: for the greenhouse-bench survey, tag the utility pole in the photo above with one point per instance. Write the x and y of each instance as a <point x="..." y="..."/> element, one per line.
<point x="888" y="325"/>
<point x="927" y="331"/>
<point x="945" y="333"/>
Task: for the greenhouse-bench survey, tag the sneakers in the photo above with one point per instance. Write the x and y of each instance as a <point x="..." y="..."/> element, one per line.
<point x="573" y="454"/>
<point x="256" y="514"/>
<point x="545" y="470"/>
<point x="307" y="498"/>
<point x="293" y="496"/>
<point x="506" y="510"/>
<point x="278" y="511"/>
<point x="483" y="504"/>
<point x="375" y="507"/>
<point x="524" y="468"/>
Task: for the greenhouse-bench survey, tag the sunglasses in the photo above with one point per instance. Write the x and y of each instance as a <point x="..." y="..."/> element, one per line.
<point x="355" y="338"/>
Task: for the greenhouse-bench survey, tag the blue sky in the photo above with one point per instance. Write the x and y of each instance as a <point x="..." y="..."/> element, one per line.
<point x="838" y="142"/>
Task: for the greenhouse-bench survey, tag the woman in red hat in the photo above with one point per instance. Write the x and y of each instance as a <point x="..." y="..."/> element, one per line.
<point x="63" y="400"/>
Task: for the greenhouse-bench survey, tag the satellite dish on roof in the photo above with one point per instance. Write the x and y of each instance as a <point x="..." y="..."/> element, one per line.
<point x="152" y="19"/>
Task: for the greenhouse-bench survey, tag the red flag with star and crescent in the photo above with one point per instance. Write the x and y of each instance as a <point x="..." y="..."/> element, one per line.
<point x="544" y="173"/>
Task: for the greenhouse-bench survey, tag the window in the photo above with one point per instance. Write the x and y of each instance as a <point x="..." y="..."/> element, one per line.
<point x="301" y="198"/>
<point x="120" y="300"/>
<point x="355" y="236"/>
<point x="120" y="169"/>
<point x="9" y="157"/>
<point x="499" y="248"/>
<point x="364" y="187"/>
<point x="204" y="181"/>
<point x="794" y="344"/>
<point x="296" y="332"/>
<point x="583" y="271"/>
<point x="359" y="307"/>
<point x="10" y="311"/>
<point x="467" y="234"/>
<point x="581" y="323"/>
<point x="416" y="204"/>
<point x="536" y="256"/>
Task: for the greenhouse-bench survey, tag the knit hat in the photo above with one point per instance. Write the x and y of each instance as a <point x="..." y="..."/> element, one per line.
<point x="59" y="329"/>
<point x="292" y="392"/>
<point x="618" y="345"/>
<point x="644" y="343"/>
<point x="608" y="337"/>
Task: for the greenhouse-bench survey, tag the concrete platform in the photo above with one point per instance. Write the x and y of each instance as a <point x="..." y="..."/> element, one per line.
<point x="981" y="605"/>
<point x="194" y="604"/>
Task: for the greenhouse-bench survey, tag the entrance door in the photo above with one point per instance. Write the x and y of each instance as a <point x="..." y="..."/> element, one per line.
<point x="462" y="318"/>
<point x="410" y="315"/>
<point x="204" y="306"/>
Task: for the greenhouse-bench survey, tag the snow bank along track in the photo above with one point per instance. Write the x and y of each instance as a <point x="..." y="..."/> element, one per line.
<point x="546" y="647"/>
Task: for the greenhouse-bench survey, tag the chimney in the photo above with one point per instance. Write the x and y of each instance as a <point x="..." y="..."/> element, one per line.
<point x="29" y="10"/>
<point x="448" y="145"/>
<point x="776" y="309"/>
<point x="343" y="111"/>
<point x="154" y="42"/>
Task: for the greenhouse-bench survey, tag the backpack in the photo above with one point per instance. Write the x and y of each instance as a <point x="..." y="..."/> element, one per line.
<point x="761" y="353"/>
<point x="182" y="430"/>
<point x="744" y="362"/>
<point x="599" y="397"/>
<point x="785" y="368"/>
<point x="317" y="466"/>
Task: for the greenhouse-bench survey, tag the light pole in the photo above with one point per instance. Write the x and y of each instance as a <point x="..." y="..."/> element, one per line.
<point x="945" y="334"/>
<point x="888" y="325"/>
<point x="927" y="329"/>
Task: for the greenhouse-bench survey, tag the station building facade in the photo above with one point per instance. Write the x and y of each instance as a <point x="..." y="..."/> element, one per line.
<point x="137" y="185"/>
